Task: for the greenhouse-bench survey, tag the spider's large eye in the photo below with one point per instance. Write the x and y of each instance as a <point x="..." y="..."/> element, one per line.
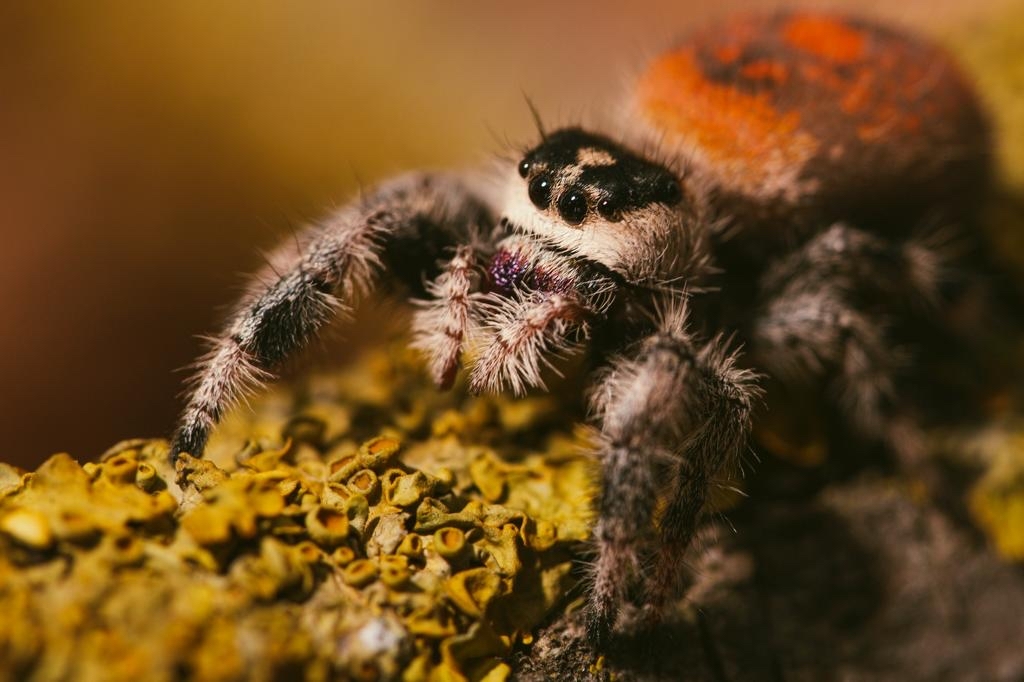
<point x="524" y="168"/>
<point x="572" y="206"/>
<point x="610" y="208"/>
<point x="540" y="191"/>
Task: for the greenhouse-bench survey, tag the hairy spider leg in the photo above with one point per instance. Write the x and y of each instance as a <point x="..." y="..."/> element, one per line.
<point x="673" y="404"/>
<point x="405" y="224"/>
<point x="824" y="313"/>
<point x="443" y="322"/>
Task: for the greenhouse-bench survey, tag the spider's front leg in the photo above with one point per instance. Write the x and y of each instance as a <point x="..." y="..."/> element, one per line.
<point x="673" y="414"/>
<point x="403" y="226"/>
<point x="521" y="332"/>
<point x="442" y="324"/>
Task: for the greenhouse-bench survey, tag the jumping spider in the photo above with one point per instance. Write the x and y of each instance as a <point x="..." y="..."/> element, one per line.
<point x="797" y="157"/>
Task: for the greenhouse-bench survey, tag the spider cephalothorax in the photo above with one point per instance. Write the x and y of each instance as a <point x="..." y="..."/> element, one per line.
<point x="590" y="228"/>
<point x="595" y="199"/>
<point x="590" y="244"/>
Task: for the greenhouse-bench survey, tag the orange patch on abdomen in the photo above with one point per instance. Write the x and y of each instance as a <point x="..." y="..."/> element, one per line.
<point x="766" y="69"/>
<point x="736" y="130"/>
<point x="827" y="37"/>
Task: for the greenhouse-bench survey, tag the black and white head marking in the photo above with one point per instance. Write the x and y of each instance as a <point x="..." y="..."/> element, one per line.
<point x="590" y="196"/>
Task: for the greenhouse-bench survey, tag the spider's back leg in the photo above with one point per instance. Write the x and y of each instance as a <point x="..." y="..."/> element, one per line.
<point x="827" y="313"/>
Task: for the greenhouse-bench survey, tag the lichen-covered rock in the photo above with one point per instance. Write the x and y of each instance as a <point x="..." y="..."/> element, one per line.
<point x="328" y="539"/>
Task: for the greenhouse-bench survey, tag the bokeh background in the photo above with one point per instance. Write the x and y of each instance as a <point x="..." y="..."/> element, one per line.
<point x="150" y="151"/>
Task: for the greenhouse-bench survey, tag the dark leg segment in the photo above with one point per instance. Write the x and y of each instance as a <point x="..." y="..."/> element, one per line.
<point x="823" y="315"/>
<point x="850" y="259"/>
<point x="673" y="406"/>
<point x="322" y="274"/>
<point x="714" y="451"/>
<point x="806" y="335"/>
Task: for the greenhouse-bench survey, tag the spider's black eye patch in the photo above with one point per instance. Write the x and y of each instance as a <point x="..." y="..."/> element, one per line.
<point x="540" y="191"/>
<point x="667" y="191"/>
<point x="572" y="206"/>
<point x="622" y="181"/>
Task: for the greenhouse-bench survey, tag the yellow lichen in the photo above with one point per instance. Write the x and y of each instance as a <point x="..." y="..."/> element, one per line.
<point x="997" y="501"/>
<point x="331" y="538"/>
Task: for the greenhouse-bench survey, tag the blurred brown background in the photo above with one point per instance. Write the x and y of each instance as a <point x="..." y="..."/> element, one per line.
<point x="148" y="151"/>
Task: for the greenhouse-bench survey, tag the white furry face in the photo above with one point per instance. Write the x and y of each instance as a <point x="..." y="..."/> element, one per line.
<point x="589" y="197"/>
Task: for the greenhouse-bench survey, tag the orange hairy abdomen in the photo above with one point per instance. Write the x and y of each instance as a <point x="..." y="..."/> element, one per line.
<point x="803" y="117"/>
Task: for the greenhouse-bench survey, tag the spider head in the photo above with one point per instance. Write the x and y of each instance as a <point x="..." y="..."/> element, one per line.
<point x="592" y="198"/>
